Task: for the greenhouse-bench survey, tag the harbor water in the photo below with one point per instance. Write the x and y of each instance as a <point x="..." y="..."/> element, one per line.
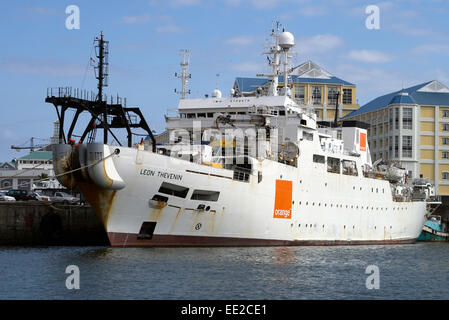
<point x="417" y="271"/>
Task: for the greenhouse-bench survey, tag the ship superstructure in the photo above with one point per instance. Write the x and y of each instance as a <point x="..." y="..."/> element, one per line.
<point x="243" y="171"/>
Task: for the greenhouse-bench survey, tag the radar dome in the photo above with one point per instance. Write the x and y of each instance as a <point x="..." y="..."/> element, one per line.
<point x="216" y="94"/>
<point x="286" y="40"/>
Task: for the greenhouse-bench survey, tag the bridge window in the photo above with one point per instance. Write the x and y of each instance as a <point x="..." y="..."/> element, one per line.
<point x="318" y="158"/>
<point x="333" y="165"/>
<point x="349" y="167"/>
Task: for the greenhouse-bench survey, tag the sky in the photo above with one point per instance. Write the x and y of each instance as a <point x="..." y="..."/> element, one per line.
<point x="225" y="37"/>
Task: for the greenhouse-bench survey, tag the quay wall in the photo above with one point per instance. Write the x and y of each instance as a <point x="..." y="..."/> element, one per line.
<point x="42" y="223"/>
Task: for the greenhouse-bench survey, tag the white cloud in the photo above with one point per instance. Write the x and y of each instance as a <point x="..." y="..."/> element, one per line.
<point x="313" y="11"/>
<point x="321" y="43"/>
<point x="265" y="4"/>
<point x="185" y="3"/>
<point x="432" y="48"/>
<point x="374" y="82"/>
<point x="143" y="18"/>
<point x="248" y="66"/>
<point x="170" y="28"/>
<point x="242" y="40"/>
<point x="371" y="56"/>
<point x="41" y="67"/>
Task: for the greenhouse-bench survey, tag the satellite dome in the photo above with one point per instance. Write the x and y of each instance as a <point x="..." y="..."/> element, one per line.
<point x="216" y="94"/>
<point x="286" y="40"/>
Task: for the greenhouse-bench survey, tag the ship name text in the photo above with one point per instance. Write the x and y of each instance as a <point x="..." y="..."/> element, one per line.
<point x="161" y="174"/>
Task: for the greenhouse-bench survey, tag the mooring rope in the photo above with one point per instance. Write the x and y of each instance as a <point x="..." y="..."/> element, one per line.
<point x="62" y="174"/>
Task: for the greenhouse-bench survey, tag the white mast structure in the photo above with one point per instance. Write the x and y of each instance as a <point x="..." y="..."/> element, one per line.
<point x="282" y="43"/>
<point x="184" y="73"/>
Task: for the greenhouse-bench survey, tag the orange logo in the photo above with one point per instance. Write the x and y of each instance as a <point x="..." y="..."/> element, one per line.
<point x="283" y="200"/>
<point x="362" y="141"/>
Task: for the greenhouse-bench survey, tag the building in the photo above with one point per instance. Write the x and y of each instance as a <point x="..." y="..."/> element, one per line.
<point x="23" y="173"/>
<point x="411" y="126"/>
<point x="310" y="85"/>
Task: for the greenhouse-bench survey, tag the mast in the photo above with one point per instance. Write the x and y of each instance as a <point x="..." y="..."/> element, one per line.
<point x="184" y="73"/>
<point x="101" y="73"/>
<point x="282" y="44"/>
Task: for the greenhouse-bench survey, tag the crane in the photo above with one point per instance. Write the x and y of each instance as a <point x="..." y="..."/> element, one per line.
<point x="32" y="146"/>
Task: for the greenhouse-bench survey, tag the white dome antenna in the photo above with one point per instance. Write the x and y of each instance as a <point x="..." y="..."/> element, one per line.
<point x="286" y="40"/>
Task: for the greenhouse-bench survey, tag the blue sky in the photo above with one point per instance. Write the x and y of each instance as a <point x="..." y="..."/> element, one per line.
<point x="225" y="37"/>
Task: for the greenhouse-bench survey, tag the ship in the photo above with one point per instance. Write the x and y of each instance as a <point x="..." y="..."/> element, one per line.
<point x="236" y="171"/>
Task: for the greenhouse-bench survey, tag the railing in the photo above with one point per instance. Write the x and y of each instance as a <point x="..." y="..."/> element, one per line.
<point x="69" y="92"/>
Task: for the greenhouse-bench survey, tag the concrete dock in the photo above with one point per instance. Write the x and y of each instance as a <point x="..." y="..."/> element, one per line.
<point x="43" y="223"/>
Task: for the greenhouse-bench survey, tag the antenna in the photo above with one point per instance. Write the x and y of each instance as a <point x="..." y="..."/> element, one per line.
<point x="101" y="73"/>
<point x="282" y="43"/>
<point x="102" y="68"/>
<point x="184" y="75"/>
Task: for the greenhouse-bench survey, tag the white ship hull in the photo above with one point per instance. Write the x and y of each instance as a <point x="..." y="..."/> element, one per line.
<point x="326" y="209"/>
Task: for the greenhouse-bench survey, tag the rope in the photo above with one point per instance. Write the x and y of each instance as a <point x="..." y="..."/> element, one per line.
<point x="62" y="174"/>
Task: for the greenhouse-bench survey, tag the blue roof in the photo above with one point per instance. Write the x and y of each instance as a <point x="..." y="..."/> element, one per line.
<point x="251" y="84"/>
<point x="402" y="98"/>
<point x="416" y="97"/>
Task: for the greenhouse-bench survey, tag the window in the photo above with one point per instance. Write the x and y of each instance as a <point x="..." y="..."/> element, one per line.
<point x="445" y="154"/>
<point x="333" y="165"/>
<point x="407" y="115"/>
<point x="446" y="113"/>
<point x="445" y="126"/>
<point x="332" y="96"/>
<point x="190" y="115"/>
<point x="307" y="136"/>
<point x="407" y="146"/>
<point x="349" y="167"/>
<point x="396" y="146"/>
<point x="210" y="114"/>
<point x="299" y="93"/>
<point x="445" y="141"/>
<point x="205" y="195"/>
<point x="173" y="190"/>
<point x="445" y="175"/>
<point x="347" y="96"/>
<point x="391" y="118"/>
<point x="396" y="118"/>
<point x="316" y="95"/>
<point x="201" y="115"/>
<point x="318" y="159"/>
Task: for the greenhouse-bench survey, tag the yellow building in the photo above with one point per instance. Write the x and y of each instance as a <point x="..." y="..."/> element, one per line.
<point x="313" y="86"/>
<point x="411" y="126"/>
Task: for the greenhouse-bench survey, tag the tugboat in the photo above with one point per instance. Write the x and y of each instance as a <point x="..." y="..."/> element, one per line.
<point x="237" y="171"/>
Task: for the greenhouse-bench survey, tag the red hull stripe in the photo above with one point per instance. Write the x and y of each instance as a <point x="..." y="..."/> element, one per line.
<point x="130" y="240"/>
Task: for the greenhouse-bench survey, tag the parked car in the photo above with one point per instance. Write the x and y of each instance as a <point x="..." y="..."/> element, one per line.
<point x="64" y="198"/>
<point x="19" y="195"/>
<point x="4" y="197"/>
<point x="39" y="196"/>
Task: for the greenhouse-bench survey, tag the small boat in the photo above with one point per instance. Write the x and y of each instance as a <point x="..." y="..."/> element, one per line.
<point x="434" y="230"/>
